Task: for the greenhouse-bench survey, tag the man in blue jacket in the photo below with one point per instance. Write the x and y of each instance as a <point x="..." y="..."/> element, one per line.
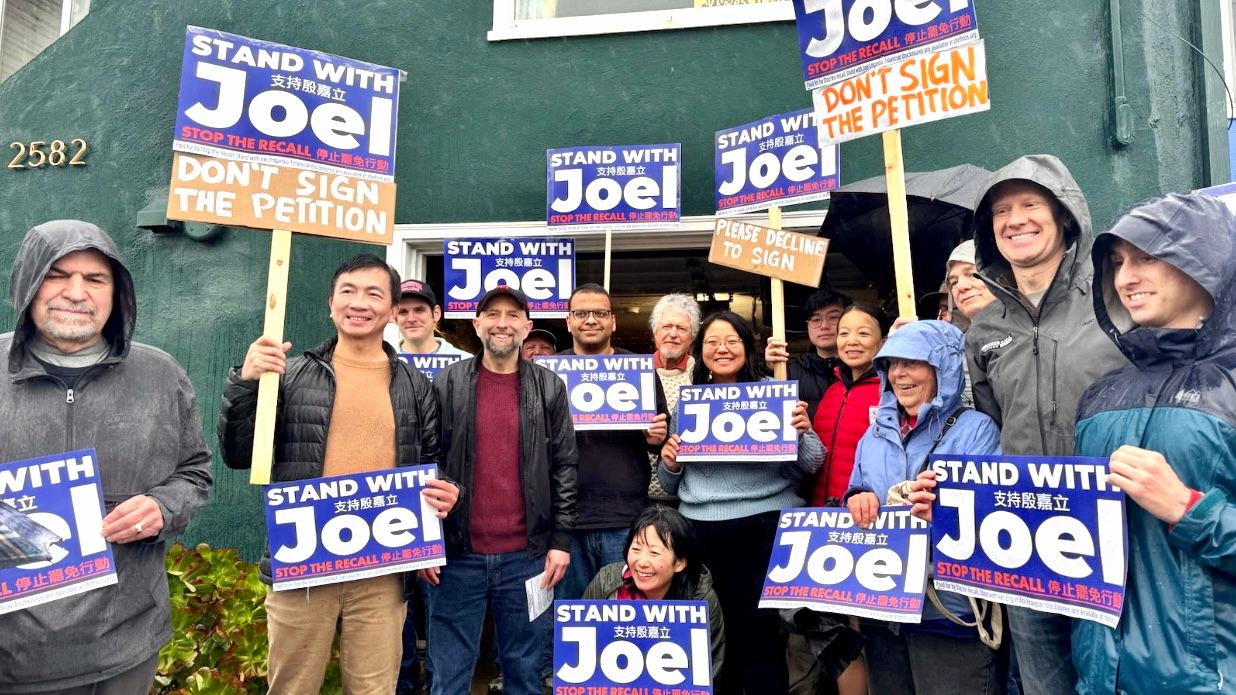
<point x="1163" y="284"/>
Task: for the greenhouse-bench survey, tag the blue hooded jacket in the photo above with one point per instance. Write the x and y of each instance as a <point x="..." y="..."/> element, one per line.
<point x="1177" y="632"/>
<point x="884" y="459"/>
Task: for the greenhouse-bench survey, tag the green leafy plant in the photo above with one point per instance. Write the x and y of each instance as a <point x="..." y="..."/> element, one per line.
<point x="218" y="644"/>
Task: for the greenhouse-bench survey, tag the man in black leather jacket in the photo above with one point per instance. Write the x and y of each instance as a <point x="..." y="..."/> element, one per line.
<point x="507" y="434"/>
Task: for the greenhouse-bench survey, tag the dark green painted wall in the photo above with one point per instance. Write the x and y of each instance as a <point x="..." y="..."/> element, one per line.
<point x="476" y="119"/>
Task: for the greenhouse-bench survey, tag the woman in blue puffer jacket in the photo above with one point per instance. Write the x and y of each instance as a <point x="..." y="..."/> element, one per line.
<point x="921" y="382"/>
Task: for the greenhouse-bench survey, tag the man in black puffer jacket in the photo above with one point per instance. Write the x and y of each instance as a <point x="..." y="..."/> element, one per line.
<point x="333" y="420"/>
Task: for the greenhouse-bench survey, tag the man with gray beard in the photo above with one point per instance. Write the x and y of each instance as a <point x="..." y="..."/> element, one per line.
<point x="506" y="435"/>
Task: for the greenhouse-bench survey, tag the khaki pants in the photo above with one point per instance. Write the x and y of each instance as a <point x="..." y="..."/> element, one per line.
<point x="301" y="627"/>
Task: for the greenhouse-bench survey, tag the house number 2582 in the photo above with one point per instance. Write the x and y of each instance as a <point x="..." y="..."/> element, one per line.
<point x="37" y="154"/>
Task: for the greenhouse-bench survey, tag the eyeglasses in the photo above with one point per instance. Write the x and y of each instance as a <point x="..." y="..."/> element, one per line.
<point x="815" y="321"/>
<point x="730" y="343"/>
<point x="598" y="314"/>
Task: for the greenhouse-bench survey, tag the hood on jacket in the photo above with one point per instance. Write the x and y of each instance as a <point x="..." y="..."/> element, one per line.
<point x="938" y="343"/>
<point x="43" y="246"/>
<point x="1050" y="173"/>
<point x="1192" y="232"/>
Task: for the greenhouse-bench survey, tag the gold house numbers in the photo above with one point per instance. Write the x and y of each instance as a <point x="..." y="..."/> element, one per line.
<point x="38" y="154"/>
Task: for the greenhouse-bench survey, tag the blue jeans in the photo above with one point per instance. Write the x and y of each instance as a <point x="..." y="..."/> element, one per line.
<point x="457" y="613"/>
<point x="1042" y="645"/>
<point x="590" y="551"/>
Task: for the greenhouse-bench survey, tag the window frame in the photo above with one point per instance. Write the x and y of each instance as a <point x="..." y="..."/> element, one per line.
<point x="66" y="23"/>
<point x="506" y="27"/>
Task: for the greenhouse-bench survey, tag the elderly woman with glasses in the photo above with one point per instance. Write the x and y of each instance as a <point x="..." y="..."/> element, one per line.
<point x="735" y="507"/>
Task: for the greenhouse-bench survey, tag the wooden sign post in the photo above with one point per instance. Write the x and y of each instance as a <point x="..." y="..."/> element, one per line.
<point x="268" y="383"/>
<point x="895" y="175"/>
<point x="777" y="294"/>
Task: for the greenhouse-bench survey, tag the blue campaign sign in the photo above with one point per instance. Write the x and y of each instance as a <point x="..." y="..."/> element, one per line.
<point x="607" y="392"/>
<point x="328" y="530"/>
<point x="838" y="39"/>
<point x="1046" y="533"/>
<point x="62" y="494"/>
<point x="737" y="422"/>
<point x="431" y="364"/>
<point x="776" y="161"/>
<point x="624" y="187"/>
<point x="264" y="102"/>
<point x="625" y="647"/>
<point x="822" y="561"/>
<point x="543" y="269"/>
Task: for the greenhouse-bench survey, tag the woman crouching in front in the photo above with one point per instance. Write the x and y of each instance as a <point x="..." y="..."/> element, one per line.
<point x="663" y="562"/>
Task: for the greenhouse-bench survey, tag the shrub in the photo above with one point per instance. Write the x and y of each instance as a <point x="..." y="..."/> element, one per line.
<point x="218" y="644"/>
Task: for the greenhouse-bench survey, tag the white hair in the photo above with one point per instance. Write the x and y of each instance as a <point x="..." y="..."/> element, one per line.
<point x="682" y="302"/>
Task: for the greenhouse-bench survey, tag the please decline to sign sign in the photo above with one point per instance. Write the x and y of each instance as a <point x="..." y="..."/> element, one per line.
<point x="776" y="253"/>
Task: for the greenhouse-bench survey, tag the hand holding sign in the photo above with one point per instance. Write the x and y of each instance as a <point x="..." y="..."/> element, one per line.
<point x="134" y="519"/>
<point x="863" y="506"/>
<point x="264" y="355"/>
<point x="655" y="434"/>
<point x="669" y="453"/>
<point x="1150" y="481"/>
<point x="440" y="495"/>
<point x="921" y="495"/>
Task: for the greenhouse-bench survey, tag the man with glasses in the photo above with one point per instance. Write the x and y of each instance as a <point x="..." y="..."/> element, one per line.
<point x="815" y="369"/>
<point x="613" y="465"/>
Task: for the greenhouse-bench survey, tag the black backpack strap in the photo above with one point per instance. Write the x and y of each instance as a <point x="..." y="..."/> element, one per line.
<point x="948" y="425"/>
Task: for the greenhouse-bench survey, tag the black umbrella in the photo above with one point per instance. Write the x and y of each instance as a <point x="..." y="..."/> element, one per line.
<point x="939" y="204"/>
<point x="22" y="539"/>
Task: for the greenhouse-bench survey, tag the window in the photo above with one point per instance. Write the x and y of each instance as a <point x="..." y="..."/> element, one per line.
<point x="529" y="19"/>
<point x="29" y="26"/>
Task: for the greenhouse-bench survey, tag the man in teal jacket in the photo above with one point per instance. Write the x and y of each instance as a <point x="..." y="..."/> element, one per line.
<point x="1163" y="284"/>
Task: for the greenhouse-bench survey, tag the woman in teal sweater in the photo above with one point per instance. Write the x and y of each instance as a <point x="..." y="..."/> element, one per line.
<point x="735" y="507"/>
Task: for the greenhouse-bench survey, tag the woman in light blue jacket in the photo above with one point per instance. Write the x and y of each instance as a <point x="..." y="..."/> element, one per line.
<point x="921" y="382"/>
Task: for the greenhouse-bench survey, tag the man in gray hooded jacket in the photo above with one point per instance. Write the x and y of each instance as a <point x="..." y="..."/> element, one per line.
<point x="1033" y="352"/>
<point x="77" y="380"/>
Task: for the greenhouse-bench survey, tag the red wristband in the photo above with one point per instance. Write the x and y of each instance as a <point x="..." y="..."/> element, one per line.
<point x="1195" y="496"/>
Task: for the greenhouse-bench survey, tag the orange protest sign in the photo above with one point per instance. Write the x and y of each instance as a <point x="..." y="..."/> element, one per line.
<point x="921" y="89"/>
<point x="774" y="253"/>
<point x="269" y="196"/>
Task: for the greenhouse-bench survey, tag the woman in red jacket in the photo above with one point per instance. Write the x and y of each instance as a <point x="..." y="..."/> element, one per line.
<point x="846" y="410"/>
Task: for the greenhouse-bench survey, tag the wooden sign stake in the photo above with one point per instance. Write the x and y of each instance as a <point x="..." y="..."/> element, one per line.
<point x="268" y="385"/>
<point x="777" y="290"/>
<point x="899" y="218"/>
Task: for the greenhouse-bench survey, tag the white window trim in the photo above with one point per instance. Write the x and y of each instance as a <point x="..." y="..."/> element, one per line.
<point x="506" y="27"/>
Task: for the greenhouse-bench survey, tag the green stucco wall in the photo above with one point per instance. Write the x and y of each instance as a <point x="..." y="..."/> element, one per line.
<point x="476" y="118"/>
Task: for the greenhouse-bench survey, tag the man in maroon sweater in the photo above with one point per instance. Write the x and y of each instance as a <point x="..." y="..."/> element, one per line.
<point x="507" y="437"/>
